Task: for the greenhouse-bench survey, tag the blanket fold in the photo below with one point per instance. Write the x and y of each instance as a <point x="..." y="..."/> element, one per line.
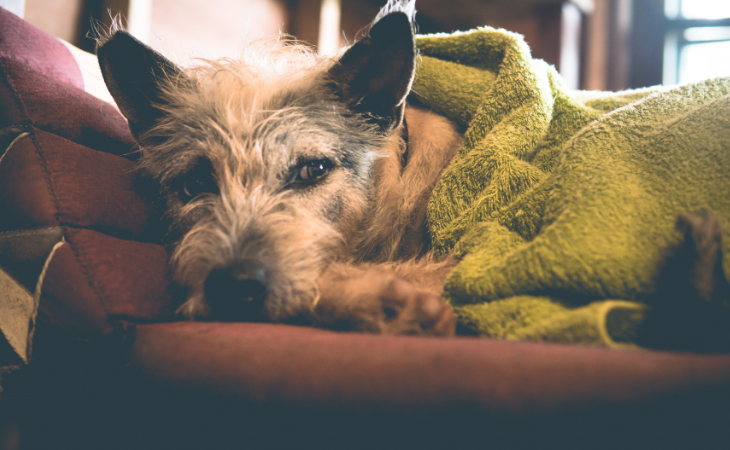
<point x="562" y="204"/>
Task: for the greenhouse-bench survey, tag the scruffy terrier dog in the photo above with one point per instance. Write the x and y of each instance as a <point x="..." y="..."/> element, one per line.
<point x="293" y="187"/>
<point x="289" y="184"/>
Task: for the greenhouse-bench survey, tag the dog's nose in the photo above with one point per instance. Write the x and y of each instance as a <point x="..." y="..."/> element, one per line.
<point x="237" y="292"/>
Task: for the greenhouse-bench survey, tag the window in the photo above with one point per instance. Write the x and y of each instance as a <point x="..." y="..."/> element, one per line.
<point x="697" y="40"/>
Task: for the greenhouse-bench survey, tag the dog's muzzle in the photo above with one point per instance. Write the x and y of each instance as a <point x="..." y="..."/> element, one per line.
<point x="237" y="292"/>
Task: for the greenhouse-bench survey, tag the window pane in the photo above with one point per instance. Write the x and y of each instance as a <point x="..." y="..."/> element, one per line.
<point x="698" y="62"/>
<point x="671" y="8"/>
<point x="705" y="9"/>
<point x="707" y="34"/>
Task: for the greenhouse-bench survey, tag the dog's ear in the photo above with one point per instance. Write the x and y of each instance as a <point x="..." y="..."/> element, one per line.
<point x="374" y="76"/>
<point x="133" y="73"/>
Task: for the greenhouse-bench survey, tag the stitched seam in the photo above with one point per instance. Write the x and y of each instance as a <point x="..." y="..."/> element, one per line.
<point x="123" y="234"/>
<point x="47" y="173"/>
<point x="85" y="270"/>
<point x="33" y="136"/>
<point x="15" y="95"/>
<point x="44" y="166"/>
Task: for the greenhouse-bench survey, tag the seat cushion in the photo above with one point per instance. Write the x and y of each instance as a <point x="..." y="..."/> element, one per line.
<point x="67" y="165"/>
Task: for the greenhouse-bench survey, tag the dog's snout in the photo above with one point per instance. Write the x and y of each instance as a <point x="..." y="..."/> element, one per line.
<point x="238" y="291"/>
<point x="251" y="277"/>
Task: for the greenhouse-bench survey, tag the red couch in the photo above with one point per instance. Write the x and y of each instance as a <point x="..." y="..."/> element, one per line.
<point x="111" y="369"/>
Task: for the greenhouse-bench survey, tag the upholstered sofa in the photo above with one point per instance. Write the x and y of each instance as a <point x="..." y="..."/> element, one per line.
<point x="110" y="366"/>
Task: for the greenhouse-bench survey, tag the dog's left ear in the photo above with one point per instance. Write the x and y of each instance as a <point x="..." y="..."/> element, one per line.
<point x="135" y="74"/>
<point x="374" y="76"/>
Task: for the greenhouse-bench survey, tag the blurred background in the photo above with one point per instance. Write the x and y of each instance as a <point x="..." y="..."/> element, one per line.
<point x="595" y="44"/>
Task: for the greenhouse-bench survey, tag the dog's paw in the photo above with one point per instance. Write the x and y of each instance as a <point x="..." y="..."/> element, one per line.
<point x="408" y="310"/>
<point x="702" y="251"/>
<point x="691" y="302"/>
<point x="377" y="301"/>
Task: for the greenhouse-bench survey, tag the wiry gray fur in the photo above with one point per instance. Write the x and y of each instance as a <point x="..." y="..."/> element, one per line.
<point x="249" y="124"/>
<point x="255" y="125"/>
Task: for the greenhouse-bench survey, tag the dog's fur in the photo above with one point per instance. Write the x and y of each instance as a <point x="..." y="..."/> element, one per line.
<point x="347" y="250"/>
<point x="241" y="130"/>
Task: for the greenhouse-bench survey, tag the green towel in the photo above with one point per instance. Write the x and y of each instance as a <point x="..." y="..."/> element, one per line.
<point x="562" y="204"/>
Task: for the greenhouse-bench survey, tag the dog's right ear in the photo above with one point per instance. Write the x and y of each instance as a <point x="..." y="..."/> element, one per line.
<point x="133" y="73"/>
<point x="374" y="76"/>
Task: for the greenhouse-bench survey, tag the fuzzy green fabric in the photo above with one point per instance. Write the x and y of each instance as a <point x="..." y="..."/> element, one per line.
<point x="562" y="204"/>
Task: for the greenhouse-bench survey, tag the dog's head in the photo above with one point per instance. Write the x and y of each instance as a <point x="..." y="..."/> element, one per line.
<point x="261" y="166"/>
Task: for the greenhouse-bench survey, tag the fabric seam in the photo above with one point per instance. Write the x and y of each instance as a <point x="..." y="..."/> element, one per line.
<point x="81" y="260"/>
<point x="44" y="166"/>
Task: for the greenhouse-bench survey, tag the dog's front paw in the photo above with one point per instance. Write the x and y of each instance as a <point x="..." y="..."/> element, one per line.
<point x="377" y="301"/>
<point x="408" y="310"/>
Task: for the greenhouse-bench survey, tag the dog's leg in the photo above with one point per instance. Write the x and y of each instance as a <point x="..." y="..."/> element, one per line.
<point x="385" y="298"/>
<point x="702" y="247"/>
<point x="691" y="305"/>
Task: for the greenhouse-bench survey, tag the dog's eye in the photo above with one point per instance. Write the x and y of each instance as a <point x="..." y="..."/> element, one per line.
<point x="196" y="184"/>
<point x="311" y="170"/>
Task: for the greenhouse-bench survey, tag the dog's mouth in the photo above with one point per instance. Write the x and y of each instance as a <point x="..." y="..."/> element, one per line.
<point x="237" y="292"/>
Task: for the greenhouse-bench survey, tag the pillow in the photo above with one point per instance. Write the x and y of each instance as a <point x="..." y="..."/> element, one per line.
<point x="70" y="211"/>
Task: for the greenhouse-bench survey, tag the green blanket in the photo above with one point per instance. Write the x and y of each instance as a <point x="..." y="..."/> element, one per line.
<point x="562" y="204"/>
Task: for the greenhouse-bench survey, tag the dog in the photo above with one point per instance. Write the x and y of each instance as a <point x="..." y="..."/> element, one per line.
<point x="287" y="184"/>
<point x="293" y="187"/>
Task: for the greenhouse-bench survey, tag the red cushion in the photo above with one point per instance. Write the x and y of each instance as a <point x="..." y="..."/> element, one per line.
<point x="73" y="170"/>
<point x="52" y="181"/>
<point x="28" y="45"/>
<point x="53" y="105"/>
<point x="96" y="280"/>
<point x="263" y="363"/>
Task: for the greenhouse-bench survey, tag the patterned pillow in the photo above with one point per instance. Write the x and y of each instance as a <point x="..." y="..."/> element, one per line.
<point x="68" y="207"/>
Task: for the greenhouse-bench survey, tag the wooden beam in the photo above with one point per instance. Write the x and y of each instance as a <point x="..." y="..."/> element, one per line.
<point x="305" y="20"/>
<point x="647" y="44"/>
